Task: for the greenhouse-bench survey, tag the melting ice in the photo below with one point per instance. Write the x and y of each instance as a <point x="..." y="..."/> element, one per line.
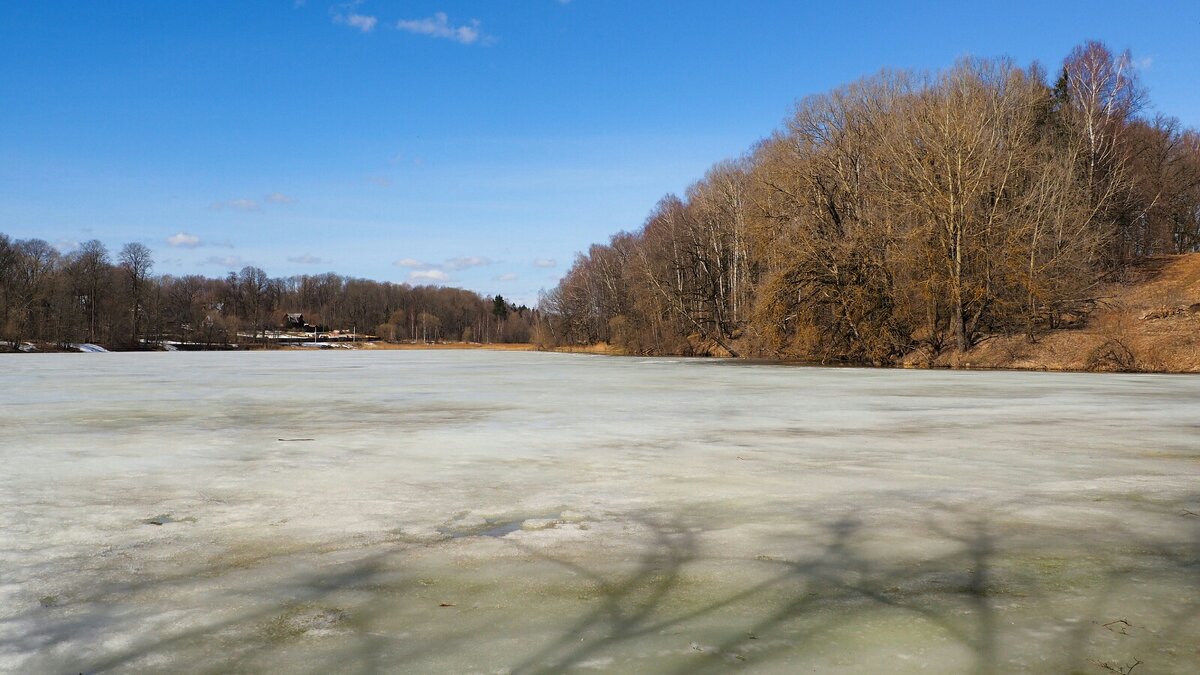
<point x="527" y="513"/>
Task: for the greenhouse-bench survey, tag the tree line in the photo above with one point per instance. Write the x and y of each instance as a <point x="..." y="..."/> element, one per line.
<point x="88" y="296"/>
<point x="903" y="211"/>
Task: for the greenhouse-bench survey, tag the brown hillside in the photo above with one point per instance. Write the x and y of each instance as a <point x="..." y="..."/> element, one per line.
<point x="1147" y="321"/>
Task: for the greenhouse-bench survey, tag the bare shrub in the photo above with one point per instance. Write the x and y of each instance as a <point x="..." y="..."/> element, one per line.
<point x="1115" y="352"/>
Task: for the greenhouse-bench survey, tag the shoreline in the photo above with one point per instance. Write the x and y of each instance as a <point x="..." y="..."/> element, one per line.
<point x="603" y="349"/>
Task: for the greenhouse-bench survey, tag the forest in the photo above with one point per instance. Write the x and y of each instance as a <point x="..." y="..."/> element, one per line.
<point x="88" y="296"/>
<point x="905" y="211"/>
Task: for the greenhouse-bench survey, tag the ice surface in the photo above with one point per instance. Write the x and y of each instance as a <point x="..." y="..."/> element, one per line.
<point x="522" y="512"/>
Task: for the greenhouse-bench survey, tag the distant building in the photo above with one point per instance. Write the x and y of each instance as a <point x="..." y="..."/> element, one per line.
<point x="295" y="321"/>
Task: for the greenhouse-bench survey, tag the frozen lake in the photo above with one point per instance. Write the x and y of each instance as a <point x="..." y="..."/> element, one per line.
<point x="526" y="513"/>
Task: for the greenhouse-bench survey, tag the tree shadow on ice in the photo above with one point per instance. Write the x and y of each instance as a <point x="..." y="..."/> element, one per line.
<point x="796" y="606"/>
<point x="255" y="622"/>
<point x="631" y="606"/>
<point x="628" y="604"/>
<point x="1180" y="558"/>
<point x="757" y="611"/>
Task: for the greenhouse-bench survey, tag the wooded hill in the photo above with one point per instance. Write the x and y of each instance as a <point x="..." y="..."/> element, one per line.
<point x="905" y="213"/>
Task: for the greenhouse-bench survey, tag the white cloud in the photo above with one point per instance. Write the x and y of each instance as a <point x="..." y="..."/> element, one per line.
<point x="183" y="240"/>
<point x="349" y="17"/>
<point x="462" y="262"/>
<point x="362" y="22"/>
<point x="1143" y="63"/>
<point x="428" y="275"/>
<point x="508" y="276"/>
<point x="306" y="259"/>
<point x="413" y="263"/>
<point x="236" y="204"/>
<point x="545" y="263"/>
<point x="224" y="261"/>
<point x="253" y="204"/>
<point x="439" y="26"/>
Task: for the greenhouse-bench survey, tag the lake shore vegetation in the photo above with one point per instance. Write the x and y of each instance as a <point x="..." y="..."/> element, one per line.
<point x="908" y="218"/>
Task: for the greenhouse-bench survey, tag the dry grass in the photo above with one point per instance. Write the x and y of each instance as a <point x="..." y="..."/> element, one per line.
<point x="598" y="348"/>
<point x="1147" y="321"/>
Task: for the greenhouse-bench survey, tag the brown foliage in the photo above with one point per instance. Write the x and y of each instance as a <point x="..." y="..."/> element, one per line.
<point x="901" y="213"/>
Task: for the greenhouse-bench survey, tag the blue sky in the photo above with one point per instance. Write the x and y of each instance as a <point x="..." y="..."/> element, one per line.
<point x="478" y="144"/>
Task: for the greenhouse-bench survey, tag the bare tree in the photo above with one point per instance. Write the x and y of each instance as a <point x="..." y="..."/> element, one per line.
<point x="92" y="270"/>
<point x="1102" y="95"/>
<point x="8" y="265"/>
<point x="32" y="281"/>
<point x="137" y="262"/>
<point x="253" y="287"/>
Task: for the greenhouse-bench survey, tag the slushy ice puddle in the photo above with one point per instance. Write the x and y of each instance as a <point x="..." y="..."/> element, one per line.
<point x="526" y="513"/>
